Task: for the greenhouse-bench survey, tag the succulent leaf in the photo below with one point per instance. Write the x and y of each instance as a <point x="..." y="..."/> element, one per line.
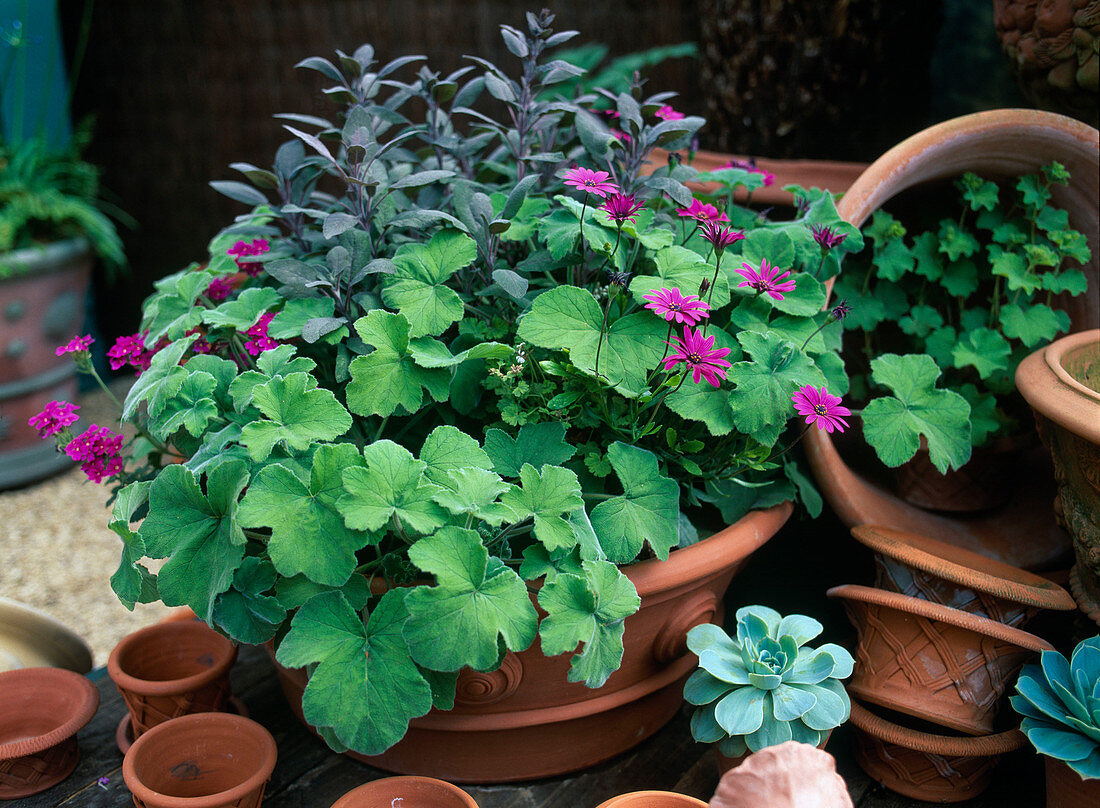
<point x="704" y="727"/>
<point x="701" y="688"/>
<point x="771" y="733"/>
<point x="789" y="703"/>
<point x="725" y="667"/>
<point x="742" y="711"/>
<point x="710" y="637"/>
<point x="801" y="628"/>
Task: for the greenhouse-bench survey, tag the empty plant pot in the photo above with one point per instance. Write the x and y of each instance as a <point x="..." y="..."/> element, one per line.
<point x="406" y="792"/>
<point x="206" y="760"/>
<point x="41" y="710"/>
<point x="936" y="768"/>
<point x="1066" y="789"/>
<point x="931" y="661"/>
<point x="944" y="573"/>
<point x="171" y="669"/>
<point x="652" y="799"/>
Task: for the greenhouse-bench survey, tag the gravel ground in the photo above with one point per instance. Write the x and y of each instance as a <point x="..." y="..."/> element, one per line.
<point x="56" y="553"/>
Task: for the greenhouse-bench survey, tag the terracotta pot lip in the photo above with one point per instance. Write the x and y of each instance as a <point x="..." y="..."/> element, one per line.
<point x="941" y="613"/>
<point x="349" y="800"/>
<point x="1053" y="393"/>
<point x="46" y="626"/>
<point x="949" y="745"/>
<point x="961" y="566"/>
<point x="50" y="257"/>
<point x="226" y="655"/>
<point x="195" y="724"/>
<point x="629" y="799"/>
<point x="50" y="679"/>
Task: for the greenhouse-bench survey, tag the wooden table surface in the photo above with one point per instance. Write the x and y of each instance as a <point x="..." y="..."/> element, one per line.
<point x="309" y="775"/>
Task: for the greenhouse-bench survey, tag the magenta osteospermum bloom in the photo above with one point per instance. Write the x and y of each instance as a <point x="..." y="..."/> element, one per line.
<point x="622" y="208"/>
<point x="820" y="408"/>
<point x="96" y="449"/>
<point x="75" y="345"/>
<point x="259" y="341"/>
<point x="219" y="289"/>
<point x="129" y="351"/>
<point x="721" y="237"/>
<point x="667" y="113"/>
<point x="56" y="416"/>
<point x="591" y="182"/>
<point x="766" y="279"/>
<point x="702" y="212"/>
<point x="700" y="355"/>
<point x="826" y="238"/>
<point x="674" y="306"/>
<point x="750" y="165"/>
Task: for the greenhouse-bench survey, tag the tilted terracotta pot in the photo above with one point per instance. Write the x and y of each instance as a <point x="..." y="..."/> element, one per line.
<point x="526" y="720"/>
<point x="41" y="710"/>
<point x="936" y="768"/>
<point x="171" y="669"/>
<point x="932" y="570"/>
<point x="999" y="143"/>
<point x="205" y="760"/>
<point x="1066" y="789"/>
<point x="652" y="799"/>
<point x="406" y="792"/>
<point x="931" y="661"/>
<point x="1061" y="383"/>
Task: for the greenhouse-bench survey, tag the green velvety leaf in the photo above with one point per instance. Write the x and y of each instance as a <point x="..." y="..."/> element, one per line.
<point x="389" y="378"/>
<point x="920" y="321"/>
<point x="172" y="311"/>
<point x="1033" y="191"/>
<point x="244" y="311"/>
<point x="548" y="496"/>
<point x="417" y="288"/>
<point x="984" y="349"/>
<point x="883" y="228"/>
<point x="475" y="600"/>
<point x="642" y="230"/>
<point x="448" y="449"/>
<point x="431" y="353"/>
<point x="244" y="612"/>
<point x="392" y="486"/>
<point x="295" y="591"/>
<point x="648" y="510"/>
<point x="807" y="298"/>
<point x="537" y="444"/>
<point x="198" y="533"/>
<point x="893" y="424"/>
<point x="939" y="345"/>
<point x="279" y="361"/>
<point x="894" y="260"/>
<point x="589" y="610"/>
<point x="774" y="245"/>
<point x="683" y="269"/>
<point x="761" y="400"/>
<point x="184" y="401"/>
<point x="979" y="193"/>
<point x="960" y="278"/>
<point x="132" y="582"/>
<point x="926" y="254"/>
<point x="1011" y="265"/>
<point x="288" y="323"/>
<point x="474" y="491"/>
<point x="365" y="687"/>
<point x="984" y="420"/>
<point x="1072" y="281"/>
<point x="298" y="415"/>
<point x="956" y="242"/>
<point x="163" y="370"/>
<point x="1033" y="325"/>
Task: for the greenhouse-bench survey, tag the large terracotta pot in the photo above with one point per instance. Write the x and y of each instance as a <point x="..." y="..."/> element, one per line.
<point x="406" y="792"/>
<point x="526" y="720"/>
<point x="933" y="570"/>
<point x="1066" y="789"/>
<point x="1061" y="384"/>
<point x="936" y="768"/>
<point x="931" y="661"/>
<point x="1000" y="143"/>
<point x="652" y="799"/>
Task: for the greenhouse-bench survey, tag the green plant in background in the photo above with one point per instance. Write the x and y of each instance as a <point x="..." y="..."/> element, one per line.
<point x="1060" y="705"/>
<point x="968" y="299"/>
<point x="615" y="75"/>
<point x="765" y="687"/>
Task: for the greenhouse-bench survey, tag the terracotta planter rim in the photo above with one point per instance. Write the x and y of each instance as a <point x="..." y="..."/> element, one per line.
<point x="1062" y="399"/>
<point x="47" y="679"/>
<point x="629" y="799"/>
<point x="947" y="745"/>
<point x="350" y="799"/>
<point x="167" y="687"/>
<point x="960" y="566"/>
<point x="49" y="257"/>
<point x="944" y="614"/>
<point x="255" y="733"/>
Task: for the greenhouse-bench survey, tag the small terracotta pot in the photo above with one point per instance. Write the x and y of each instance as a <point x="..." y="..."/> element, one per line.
<point x="406" y="792"/>
<point x="652" y="799"/>
<point x="725" y="764"/>
<point x="41" y="710"/>
<point x="205" y="760"/>
<point x="984" y="482"/>
<point x="936" y="768"/>
<point x="1066" y="789"/>
<point x="931" y="661"/>
<point x="932" y="570"/>
<point x="171" y="669"/>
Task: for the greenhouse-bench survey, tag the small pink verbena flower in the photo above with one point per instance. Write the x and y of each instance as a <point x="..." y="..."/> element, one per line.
<point x="765" y="280"/>
<point x="702" y="212"/>
<point x="96" y="449"/>
<point x="75" y="345"/>
<point x="597" y="183"/>
<point x="219" y="289"/>
<point x="131" y="351"/>
<point x="820" y="408"/>
<point x="244" y="249"/>
<point x="259" y="341"/>
<point x="674" y="306"/>
<point x="700" y="356"/>
<point x="56" y="416"/>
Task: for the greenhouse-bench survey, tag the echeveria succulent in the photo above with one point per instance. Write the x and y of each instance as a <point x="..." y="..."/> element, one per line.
<point x="1060" y="705"/>
<point x="765" y="688"/>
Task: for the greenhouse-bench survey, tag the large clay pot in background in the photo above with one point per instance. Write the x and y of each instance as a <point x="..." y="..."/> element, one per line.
<point x="41" y="710"/>
<point x="406" y="792"/>
<point x="996" y="144"/>
<point x="931" y="661"/>
<point x="206" y="760"/>
<point x="526" y="720"/>
<point x="1066" y="789"/>
<point x="1061" y="383"/>
<point x="33" y="639"/>
<point x="936" y="768"/>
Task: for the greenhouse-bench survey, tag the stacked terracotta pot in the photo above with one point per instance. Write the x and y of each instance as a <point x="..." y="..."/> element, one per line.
<point x="940" y="641"/>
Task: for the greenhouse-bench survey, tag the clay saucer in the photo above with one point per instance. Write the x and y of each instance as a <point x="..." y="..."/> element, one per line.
<point x="41" y="711"/>
<point x="652" y="799"/>
<point x="930" y="661"/>
<point x="945" y="573"/>
<point x="936" y="768"/>
<point x="407" y="792"/>
<point x="124" y="733"/>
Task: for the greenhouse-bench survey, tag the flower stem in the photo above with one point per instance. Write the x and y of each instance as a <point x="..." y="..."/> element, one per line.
<point x="584" y="248"/>
<point x="821" y="264"/>
<point x="657" y="407"/>
<point x="603" y="329"/>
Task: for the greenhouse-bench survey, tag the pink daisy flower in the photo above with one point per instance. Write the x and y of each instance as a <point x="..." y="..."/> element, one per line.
<point x="591" y="182"/>
<point x="826" y="238"/>
<point x="750" y="165"/>
<point x="667" y="113"/>
<point x="766" y="279"/>
<point x="702" y="212"/>
<point x="56" y="416"/>
<point x="622" y="208"/>
<point x="676" y="307"/>
<point x="700" y="356"/>
<point x="75" y="345"/>
<point x="721" y="237"/>
<point x="820" y="408"/>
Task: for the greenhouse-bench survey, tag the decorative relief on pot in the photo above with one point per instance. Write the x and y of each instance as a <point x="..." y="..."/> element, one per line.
<point x="477" y="688"/>
<point x="671" y="641"/>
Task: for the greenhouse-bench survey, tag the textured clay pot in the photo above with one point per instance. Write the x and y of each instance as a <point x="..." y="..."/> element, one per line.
<point x="931" y="661"/>
<point x="999" y="143"/>
<point x="1066" y="789"/>
<point x="1061" y="384"/>
<point x="33" y="639"/>
<point x="205" y="760"/>
<point x="406" y="792"/>
<point x="984" y="482"/>
<point x="171" y="669"/>
<point x="936" y="768"/>
<point x="652" y="799"/>
<point x="41" y="710"/>
<point x="933" y="570"/>
<point x="526" y="720"/>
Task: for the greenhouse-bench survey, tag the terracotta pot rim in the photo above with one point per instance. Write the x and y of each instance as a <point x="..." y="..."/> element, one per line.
<point x="1052" y="392"/>
<point x="245" y="727"/>
<point x="223" y="661"/>
<point x="45" y="258"/>
<point x="952" y="746"/>
<point x="959" y="566"/>
<point x="628" y="799"/>
<point x="944" y="614"/>
<point x="49" y="679"/>
<point x="347" y="800"/>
